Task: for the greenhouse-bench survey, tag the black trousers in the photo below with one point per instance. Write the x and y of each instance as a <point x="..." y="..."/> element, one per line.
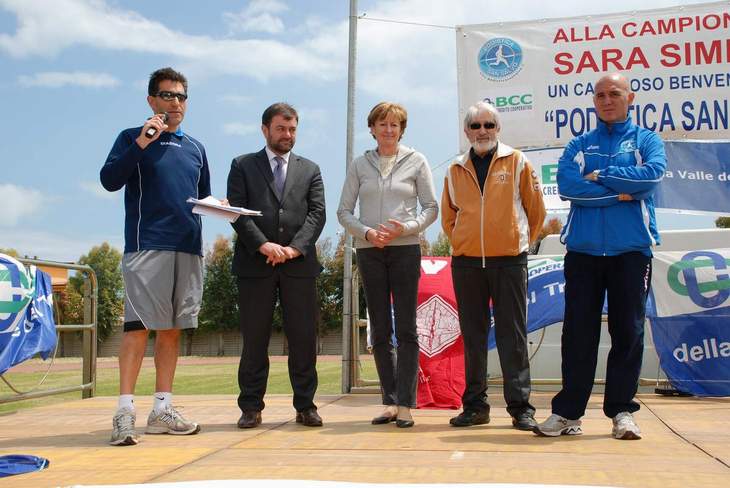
<point x="626" y="279"/>
<point x="393" y="271"/>
<point x="256" y="300"/>
<point x="506" y="286"/>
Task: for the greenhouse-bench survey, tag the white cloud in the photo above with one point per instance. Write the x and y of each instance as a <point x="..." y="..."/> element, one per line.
<point x="407" y="63"/>
<point x="95" y="188"/>
<point x="314" y="116"/>
<point x="45" y="30"/>
<point x="266" y="6"/>
<point x="417" y="64"/>
<point x="258" y="16"/>
<point x="261" y="23"/>
<point x="239" y="129"/>
<point x="18" y="202"/>
<point x="57" y="79"/>
<point x="53" y="246"/>
<point x="238" y="100"/>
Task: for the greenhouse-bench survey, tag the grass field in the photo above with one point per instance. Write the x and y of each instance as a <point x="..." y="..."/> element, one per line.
<point x="190" y="379"/>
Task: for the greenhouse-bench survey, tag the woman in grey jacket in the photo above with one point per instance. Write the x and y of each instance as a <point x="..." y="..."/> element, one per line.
<point x="389" y="182"/>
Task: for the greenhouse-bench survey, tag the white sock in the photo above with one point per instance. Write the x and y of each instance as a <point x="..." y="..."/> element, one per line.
<point x="162" y="400"/>
<point x="126" y="401"/>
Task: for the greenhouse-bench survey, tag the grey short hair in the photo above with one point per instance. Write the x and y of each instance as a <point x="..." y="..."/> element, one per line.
<point x="479" y="108"/>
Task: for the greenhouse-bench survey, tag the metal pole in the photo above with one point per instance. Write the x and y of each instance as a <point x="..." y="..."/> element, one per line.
<point x="347" y="305"/>
<point x="89" y="339"/>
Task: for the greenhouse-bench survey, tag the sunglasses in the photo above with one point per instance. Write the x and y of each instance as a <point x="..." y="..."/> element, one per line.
<point x="486" y="125"/>
<point x="168" y="96"/>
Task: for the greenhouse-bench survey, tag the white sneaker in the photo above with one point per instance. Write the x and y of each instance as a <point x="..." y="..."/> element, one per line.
<point x="556" y="425"/>
<point x="123" y="433"/>
<point x="169" y="421"/>
<point x="624" y="427"/>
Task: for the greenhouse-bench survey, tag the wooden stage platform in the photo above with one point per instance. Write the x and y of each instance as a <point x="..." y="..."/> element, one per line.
<point x="686" y="444"/>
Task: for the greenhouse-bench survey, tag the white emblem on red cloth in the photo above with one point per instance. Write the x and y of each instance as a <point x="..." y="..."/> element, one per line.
<point x="438" y="325"/>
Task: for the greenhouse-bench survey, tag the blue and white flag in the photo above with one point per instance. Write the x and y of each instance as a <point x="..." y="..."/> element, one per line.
<point x="26" y="313"/>
<point x="691" y="325"/>
<point x="545" y="294"/>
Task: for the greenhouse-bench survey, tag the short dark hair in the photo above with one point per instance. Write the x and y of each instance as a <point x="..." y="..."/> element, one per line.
<point x="163" y="74"/>
<point x="279" y="108"/>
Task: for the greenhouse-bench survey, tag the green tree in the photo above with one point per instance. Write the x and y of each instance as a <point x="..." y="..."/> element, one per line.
<point x="70" y="306"/>
<point x="441" y="246"/>
<point x="105" y="261"/>
<point x="219" y="310"/>
<point x="425" y="245"/>
<point x="723" y="222"/>
<point x="10" y="252"/>
<point x="329" y="284"/>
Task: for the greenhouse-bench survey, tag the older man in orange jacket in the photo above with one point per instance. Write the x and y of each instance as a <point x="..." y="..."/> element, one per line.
<point x="492" y="210"/>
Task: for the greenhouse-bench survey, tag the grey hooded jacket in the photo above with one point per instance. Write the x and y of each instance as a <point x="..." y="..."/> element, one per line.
<point x="392" y="197"/>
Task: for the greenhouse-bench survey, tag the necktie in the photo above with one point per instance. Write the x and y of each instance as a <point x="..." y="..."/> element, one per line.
<point x="279" y="177"/>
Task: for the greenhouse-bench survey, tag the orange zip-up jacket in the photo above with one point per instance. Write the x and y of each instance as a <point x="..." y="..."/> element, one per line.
<point x="501" y="221"/>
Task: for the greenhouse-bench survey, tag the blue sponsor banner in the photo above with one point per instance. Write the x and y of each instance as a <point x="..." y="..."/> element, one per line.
<point x="696" y="178"/>
<point x="694" y="351"/>
<point x="26" y="313"/>
<point x="545" y="295"/>
<point x="688" y="309"/>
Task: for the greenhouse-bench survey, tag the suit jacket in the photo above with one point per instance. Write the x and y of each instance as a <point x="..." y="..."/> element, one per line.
<point x="295" y="220"/>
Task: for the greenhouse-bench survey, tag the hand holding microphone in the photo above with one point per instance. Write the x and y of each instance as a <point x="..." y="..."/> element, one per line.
<point x="152" y="129"/>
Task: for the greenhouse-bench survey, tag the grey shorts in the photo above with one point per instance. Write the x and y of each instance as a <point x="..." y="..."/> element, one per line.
<point x="163" y="290"/>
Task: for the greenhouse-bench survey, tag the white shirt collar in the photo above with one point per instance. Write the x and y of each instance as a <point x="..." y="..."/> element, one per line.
<point x="271" y="155"/>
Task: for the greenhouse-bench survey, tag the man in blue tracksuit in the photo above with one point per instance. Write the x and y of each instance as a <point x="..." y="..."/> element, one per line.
<point x="609" y="176"/>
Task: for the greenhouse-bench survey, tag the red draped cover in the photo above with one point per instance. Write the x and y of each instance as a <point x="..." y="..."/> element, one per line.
<point x="441" y="360"/>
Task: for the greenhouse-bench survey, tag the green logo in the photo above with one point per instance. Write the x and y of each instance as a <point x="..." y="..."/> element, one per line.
<point x="549" y="174"/>
<point x="690" y="286"/>
<point x="16" y="290"/>
<point x="17" y="287"/>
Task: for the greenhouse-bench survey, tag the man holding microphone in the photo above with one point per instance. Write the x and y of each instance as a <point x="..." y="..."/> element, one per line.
<point x="160" y="167"/>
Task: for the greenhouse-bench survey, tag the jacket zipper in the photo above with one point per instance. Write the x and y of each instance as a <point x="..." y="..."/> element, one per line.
<point x="381" y="182"/>
<point x="603" y="210"/>
<point x="481" y="208"/>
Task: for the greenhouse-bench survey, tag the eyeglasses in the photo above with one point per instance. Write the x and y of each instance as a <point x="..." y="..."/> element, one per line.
<point x="486" y="125"/>
<point x="168" y="96"/>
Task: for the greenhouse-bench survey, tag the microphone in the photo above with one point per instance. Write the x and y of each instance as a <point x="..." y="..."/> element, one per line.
<point x="150" y="133"/>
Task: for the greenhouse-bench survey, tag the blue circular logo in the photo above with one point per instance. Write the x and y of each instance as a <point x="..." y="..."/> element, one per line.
<point x="500" y="59"/>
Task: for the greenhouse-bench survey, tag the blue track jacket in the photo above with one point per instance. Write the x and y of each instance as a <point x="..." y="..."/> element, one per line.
<point x="157" y="182"/>
<point x="631" y="160"/>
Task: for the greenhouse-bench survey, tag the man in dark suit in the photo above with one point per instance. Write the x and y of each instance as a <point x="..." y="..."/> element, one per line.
<point x="275" y="256"/>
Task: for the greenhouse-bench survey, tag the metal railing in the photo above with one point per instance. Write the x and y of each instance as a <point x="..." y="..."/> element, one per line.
<point x="88" y="330"/>
<point x="355" y="383"/>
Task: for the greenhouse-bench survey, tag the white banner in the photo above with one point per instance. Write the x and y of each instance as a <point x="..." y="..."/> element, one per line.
<point x="687" y="282"/>
<point x="540" y="74"/>
<point x="545" y="162"/>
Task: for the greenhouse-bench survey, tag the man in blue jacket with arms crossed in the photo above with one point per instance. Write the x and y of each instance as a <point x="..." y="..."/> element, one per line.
<point x="609" y="176"/>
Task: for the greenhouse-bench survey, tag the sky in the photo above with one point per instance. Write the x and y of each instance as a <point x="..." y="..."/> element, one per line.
<point x="73" y="74"/>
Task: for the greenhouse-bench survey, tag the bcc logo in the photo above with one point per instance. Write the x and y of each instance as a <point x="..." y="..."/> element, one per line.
<point x="511" y="101"/>
<point x="706" y="294"/>
<point x="500" y="59"/>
